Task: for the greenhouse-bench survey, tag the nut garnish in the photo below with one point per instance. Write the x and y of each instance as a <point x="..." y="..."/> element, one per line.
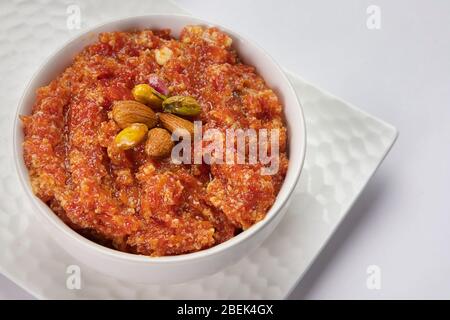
<point x="182" y="105"/>
<point x="148" y="95"/>
<point x="158" y="84"/>
<point x="172" y="122"/>
<point x="127" y="112"/>
<point x="163" y="55"/>
<point x="130" y="136"/>
<point x="159" y="143"/>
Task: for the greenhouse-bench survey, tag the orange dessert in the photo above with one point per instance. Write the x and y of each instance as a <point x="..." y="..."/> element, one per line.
<point x="132" y="197"/>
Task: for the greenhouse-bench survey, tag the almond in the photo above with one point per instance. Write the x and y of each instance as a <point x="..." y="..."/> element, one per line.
<point x="172" y="122"/>
<point x="127" y="112"/>
<point x="159" y="143"/>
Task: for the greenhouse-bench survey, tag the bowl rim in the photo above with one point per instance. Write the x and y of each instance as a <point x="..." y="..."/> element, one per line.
<point x="21" y="170"/>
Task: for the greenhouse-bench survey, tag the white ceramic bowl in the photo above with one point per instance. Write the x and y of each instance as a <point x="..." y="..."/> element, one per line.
<point x="172" y="269"/>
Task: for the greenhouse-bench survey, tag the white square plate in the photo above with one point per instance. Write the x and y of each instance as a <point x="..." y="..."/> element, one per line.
<point x="344" y="148"/>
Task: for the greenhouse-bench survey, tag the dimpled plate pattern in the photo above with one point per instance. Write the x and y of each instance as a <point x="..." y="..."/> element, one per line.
<point x="344" y="148"/>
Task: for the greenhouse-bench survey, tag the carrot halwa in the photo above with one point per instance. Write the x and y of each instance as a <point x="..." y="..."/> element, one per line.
<point x="125" y="199"/>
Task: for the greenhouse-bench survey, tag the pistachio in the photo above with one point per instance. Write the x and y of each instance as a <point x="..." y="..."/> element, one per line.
<point x="127" y="112"/>
<point x="159" y="143"/>
<point x="158" y="84"/>
<point x="172" y="123"/>
<point x="130" y="136"/>
<point x="182" y="105"/>
<point x="145" y="94"/>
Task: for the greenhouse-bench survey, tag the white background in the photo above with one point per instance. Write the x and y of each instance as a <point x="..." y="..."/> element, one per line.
<point x="401" y="74"/>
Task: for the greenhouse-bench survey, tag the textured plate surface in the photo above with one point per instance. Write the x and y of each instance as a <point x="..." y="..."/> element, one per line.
<point x="344" y="148"/>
